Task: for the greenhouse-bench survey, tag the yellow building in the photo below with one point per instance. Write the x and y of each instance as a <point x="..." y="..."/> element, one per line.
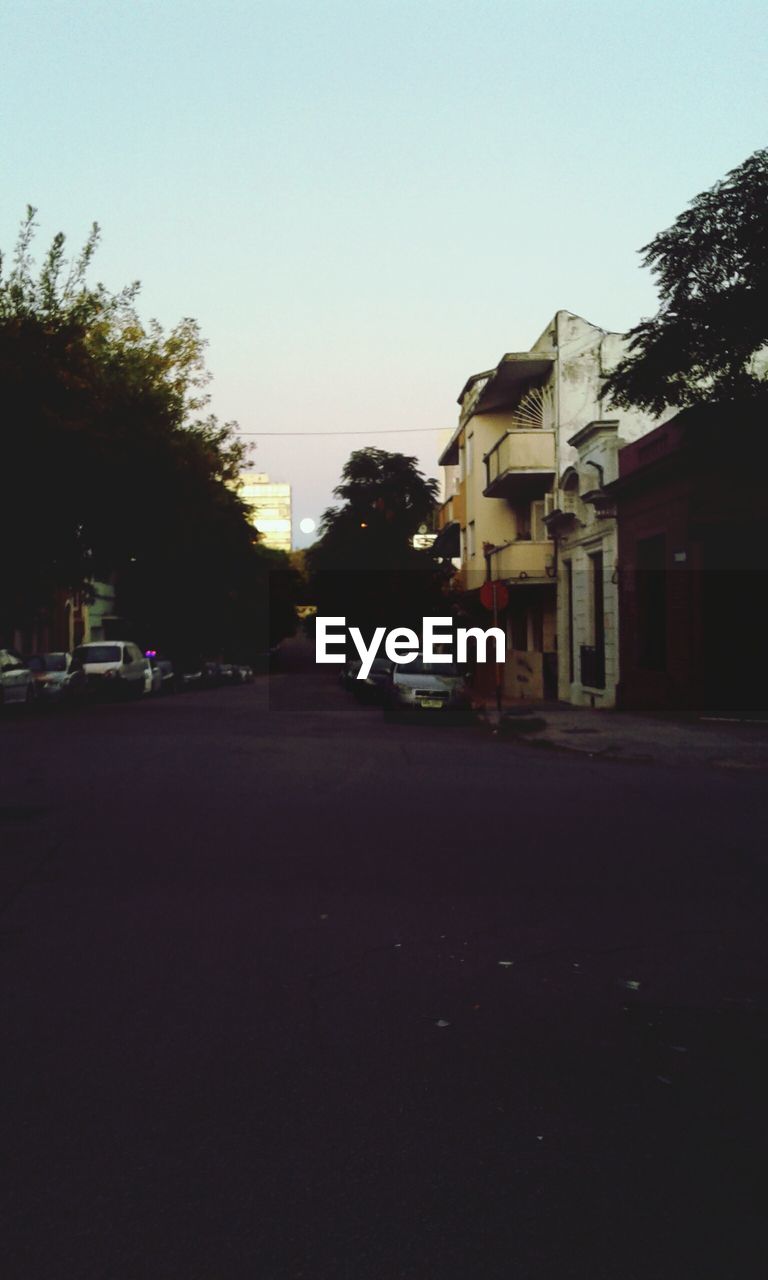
<point x="500" y="465"/>
<point x="533" y="434"/>
<point x="270" y="508"/>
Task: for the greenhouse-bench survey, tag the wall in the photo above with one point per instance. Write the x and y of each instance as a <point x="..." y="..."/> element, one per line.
<point x="585" y="354"/>
<point x="493" y="519"/>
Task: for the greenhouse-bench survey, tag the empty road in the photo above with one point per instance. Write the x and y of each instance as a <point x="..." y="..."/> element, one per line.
<point x="288" y="992"/>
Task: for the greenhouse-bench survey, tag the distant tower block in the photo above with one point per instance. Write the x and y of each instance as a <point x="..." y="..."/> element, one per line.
<point x="269" y="506"/>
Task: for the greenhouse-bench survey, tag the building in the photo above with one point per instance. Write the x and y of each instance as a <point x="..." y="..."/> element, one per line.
<point x="692" y="579"/>
<point x="525" y="469"/>
<point x="71" y="620"/>
<point x="92" y="614"/>
<point x="270" y="508"/>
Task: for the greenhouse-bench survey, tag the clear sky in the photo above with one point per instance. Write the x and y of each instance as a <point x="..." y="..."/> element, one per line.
<point x="364" y="203"/>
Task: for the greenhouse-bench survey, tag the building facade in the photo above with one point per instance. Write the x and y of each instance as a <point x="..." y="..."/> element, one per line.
<point x="524" y="474"/>
<point x="692" y="579"/>
<point x="269" y="504"/>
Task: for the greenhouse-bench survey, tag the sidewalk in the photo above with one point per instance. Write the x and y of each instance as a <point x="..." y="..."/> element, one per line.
<point x="622" y="735"/>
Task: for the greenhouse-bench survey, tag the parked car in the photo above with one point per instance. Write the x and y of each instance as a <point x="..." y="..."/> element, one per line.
<point x="116" y="667"/>
<point x="428" y="689"/>
<point x="163" y="674"/>
<point x="348" y="673"/>
<point x="189" y="676"/>
<point x="17" y="683"/>
<point x="374" y="686"/>
<point x="265" y="660"/>
<point x="241" y="673"/>
<point x="56" y="680"/>
<point x="211" y="674"/>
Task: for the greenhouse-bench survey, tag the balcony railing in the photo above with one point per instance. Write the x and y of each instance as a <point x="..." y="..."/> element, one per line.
<point x="521" y="465"/>
<point x="522" y="560"/>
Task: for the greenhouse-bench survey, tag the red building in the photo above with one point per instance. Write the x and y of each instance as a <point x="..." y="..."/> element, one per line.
<point x="691" y="507"/>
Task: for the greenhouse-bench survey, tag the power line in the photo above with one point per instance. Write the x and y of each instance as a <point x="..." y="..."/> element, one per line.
<point x="364" y="431"/>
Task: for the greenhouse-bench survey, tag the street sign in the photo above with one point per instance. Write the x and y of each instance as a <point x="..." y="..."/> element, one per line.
<point x="494" y="596"/>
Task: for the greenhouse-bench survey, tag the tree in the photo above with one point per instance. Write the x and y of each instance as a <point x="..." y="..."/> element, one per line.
<point x="385" y="500"/>
<point x="708" y="339"/>
<point x="364" y="565"/>
<point x="116" y="467"/>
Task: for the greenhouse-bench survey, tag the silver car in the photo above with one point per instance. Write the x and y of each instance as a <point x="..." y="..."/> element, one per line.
<point x="428" y="689"/>
<point x="55" y="677"/>
<point x="16" y="680"/>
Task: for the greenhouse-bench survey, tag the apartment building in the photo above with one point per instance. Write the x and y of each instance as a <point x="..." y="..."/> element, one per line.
<point x="269" y="504"/>
<point x="524" y="474"/>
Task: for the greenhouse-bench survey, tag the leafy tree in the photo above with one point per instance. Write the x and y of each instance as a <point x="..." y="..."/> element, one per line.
<point x="364" y="565"/>
<point x="707" y="341"/>
<point x="113" y="466"/>
<point x="385" y="500"/>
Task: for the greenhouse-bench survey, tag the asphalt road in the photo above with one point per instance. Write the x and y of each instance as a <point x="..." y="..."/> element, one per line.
<point x="291" y="992"/>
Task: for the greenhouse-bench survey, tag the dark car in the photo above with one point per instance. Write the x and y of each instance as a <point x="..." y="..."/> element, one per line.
<point x="373" y="687"/>
<point x="189" y="675"/>
<point x="348" y="673"/>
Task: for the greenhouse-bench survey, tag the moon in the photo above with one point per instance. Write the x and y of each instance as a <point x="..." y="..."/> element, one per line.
<point x="307" y="525"/>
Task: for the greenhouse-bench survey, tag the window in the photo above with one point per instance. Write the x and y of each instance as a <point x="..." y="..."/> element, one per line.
<point x="598" y="600"/>
<point x="97" y="653"/>
<point x="569" y="605"/>
<point x="523" y="522"/>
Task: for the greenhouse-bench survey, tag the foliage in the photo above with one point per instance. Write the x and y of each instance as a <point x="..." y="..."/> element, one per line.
<point x="711" y="268"/>
<point x="113" y="467"/>
<point x="364" y="566"/>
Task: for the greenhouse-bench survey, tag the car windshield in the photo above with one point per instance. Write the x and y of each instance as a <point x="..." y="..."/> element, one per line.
<point x="48" y="662"/>
<point x="97" y="653"/>
<point x="421" y="668"/>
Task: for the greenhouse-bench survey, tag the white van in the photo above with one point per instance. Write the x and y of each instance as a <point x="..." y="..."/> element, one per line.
<point x="114" y="666"/>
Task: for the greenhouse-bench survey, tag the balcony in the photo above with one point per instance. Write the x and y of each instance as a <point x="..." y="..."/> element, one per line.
<point x="523" y="561"/>
<point x="521" y="465"/>
<point x="452" y="510"/>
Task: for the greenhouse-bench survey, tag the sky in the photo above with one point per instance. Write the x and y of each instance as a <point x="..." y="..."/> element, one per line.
<point x="364" y="203"/>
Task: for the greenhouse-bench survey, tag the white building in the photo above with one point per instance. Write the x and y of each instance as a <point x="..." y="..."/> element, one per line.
<point x="270" y="508"/>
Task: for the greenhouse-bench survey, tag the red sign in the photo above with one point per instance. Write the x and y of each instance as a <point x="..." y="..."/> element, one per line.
<point x="494" y="595"/>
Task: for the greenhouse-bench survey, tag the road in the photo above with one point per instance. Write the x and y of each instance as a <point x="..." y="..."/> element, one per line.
<point x="291" y="992"/>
